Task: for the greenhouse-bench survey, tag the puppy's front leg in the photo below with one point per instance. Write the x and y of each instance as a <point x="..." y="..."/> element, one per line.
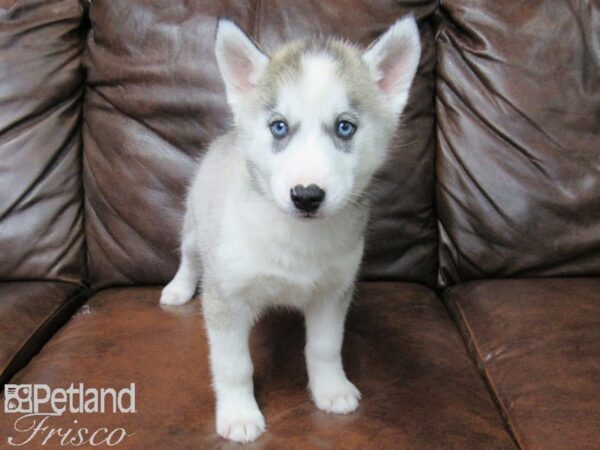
<point x="330" y="389"/>
<point x="238" y="417"/>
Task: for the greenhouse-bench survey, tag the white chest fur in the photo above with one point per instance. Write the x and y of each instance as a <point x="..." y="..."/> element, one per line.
<point x="268" y="258"/>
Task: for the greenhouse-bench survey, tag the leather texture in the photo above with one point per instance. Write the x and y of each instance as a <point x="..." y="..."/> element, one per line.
<point x="518" y="158"/>
<point x="30" y="313"/>
<point x="41" y="85"/>
<point x="150" y="114"/>
<point x="6" y="4"/>
<point x="537" y="343"/>
<point x="420" y="389"/>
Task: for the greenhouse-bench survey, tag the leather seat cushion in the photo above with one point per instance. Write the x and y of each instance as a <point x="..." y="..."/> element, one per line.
<point x="31" y="312"/>
<point x="420" y="388"/>
<point x="538" y="343"/>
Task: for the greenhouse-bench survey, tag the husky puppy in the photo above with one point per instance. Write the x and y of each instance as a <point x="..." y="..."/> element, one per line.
<point x="276" y="213"/>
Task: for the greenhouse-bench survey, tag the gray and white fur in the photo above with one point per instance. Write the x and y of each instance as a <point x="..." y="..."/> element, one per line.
<point x="276" y="213"/>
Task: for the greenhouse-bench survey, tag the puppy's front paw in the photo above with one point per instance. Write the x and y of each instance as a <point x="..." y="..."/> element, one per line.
<point x="336" y="397"/>
<point x="240" y="424"/>
<point x="174" y="295"/>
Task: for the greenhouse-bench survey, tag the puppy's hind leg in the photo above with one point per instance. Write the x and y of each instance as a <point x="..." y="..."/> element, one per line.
<point x="183" y="286"/>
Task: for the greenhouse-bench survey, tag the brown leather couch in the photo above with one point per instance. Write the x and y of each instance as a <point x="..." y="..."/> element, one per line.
<point x="477" y="320"/>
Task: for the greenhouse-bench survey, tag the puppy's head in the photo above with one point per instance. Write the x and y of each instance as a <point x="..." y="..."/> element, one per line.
<point x="316" y="117"/>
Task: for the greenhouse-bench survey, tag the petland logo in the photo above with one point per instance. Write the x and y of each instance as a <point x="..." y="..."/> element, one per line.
<point x="38" y="404"/>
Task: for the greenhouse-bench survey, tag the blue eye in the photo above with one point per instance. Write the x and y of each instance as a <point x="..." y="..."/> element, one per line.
<point x="345" y="129"/>
<point x="279" y="129"/>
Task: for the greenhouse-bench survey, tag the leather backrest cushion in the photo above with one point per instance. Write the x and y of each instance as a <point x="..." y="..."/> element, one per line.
<point x="155" y="100"/>
<point x="41" y="85"/>
<point x="518" y="157"/>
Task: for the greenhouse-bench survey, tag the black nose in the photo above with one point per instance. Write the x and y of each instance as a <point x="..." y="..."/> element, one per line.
<point x="307" y="198"/>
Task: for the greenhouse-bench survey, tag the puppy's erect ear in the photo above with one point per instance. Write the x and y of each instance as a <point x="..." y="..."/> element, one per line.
<point x="393" y="60"/>
<point x="240" y="61"/>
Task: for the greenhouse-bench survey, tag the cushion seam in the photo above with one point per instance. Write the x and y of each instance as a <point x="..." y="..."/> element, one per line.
<point x="476" y="354"/>
<point x="9" y="368"/>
